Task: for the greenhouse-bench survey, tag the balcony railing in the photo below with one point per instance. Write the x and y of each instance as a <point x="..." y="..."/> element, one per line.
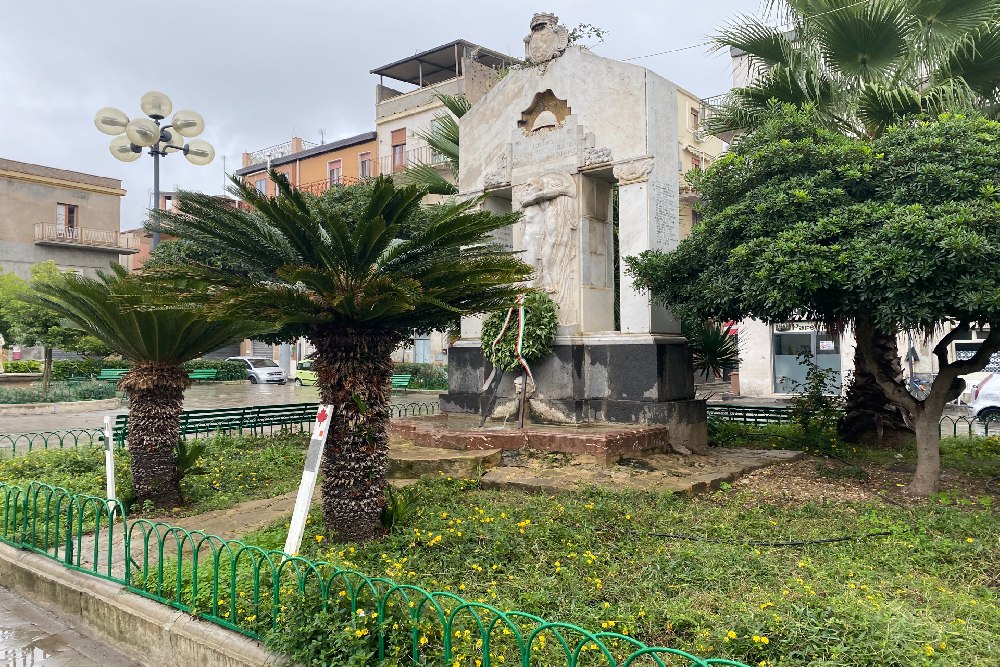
<point x="278" y="150"/>
<point x="411" y="158"/>
<point x="48" y="233"/>
<point x="319" y="187"/>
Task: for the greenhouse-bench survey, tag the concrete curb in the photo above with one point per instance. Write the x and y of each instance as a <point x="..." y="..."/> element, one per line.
<point x="56" y="408"/>
<point x="144" y="630"/>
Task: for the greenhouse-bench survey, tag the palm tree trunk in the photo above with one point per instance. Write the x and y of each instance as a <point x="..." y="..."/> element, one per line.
<point x="869" y="416"/>
<point x="353" y="369"/>
<point x="47" y="370"/>
<point x="156" y="398"/>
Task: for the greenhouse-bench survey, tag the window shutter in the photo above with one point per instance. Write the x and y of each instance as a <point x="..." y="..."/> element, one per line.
<point x="399" y="136"/>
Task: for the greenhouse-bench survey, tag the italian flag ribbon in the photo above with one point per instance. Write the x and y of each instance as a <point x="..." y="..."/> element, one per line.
<point x="519" y="304"/>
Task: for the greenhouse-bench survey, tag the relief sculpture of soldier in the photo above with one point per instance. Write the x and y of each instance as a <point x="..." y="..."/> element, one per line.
<point x="549" y="238"/>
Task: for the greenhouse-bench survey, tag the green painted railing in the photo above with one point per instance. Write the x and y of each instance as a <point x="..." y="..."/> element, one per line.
<point x="951" y="425"/>
<point x="251" y="590"/>
<point x="14" y="444"/>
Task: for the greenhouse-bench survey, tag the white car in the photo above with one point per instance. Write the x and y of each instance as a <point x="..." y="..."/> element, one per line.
<point x="986" y="399"/>
<point x="261" y="370"/>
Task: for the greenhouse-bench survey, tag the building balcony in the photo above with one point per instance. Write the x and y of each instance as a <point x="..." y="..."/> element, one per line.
<point x="122" y="243"/>
<point x="411" y="158"/>
<point x="389" y="102"/>
<point x="709" y="107"/>
<point x="319" y="187"/>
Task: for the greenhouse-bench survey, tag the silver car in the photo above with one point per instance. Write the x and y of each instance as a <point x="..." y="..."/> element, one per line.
<point x="261" y="370"/>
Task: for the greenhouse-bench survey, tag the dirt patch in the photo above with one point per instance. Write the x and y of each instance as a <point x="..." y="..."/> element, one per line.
<point x="828" y="480"/>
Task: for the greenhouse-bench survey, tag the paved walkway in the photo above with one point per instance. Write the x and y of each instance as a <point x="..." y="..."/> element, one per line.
<point x="197" y="397"/>
<point x="33" y="637"/>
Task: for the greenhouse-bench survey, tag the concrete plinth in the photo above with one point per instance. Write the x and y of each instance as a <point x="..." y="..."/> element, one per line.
<point x="619" y="378"/>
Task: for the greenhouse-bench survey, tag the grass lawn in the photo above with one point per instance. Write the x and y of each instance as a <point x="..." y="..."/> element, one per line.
<point x="238" y="468"/>
<point x="926" y="594"/>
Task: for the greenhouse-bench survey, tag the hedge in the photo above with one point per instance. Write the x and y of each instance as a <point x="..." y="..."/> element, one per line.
<point x="64" y="369"/>
<point x="424" y="376"/>
<point x="26" y="366"/>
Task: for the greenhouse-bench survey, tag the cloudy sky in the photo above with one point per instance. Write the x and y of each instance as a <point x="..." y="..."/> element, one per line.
<point x="262" y="71"/>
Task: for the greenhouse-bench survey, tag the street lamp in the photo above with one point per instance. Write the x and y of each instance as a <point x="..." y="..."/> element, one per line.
<point x="161" y="140"/>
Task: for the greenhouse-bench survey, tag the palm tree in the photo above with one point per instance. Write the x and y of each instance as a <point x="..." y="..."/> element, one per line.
<point x="861" y="65"/>
<point x="157" y="341"/>
<point x="357" y="281"/>
<point x="443" y="140"/>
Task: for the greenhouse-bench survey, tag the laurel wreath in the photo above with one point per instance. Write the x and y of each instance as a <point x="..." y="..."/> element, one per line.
<point x="540" y="320"/>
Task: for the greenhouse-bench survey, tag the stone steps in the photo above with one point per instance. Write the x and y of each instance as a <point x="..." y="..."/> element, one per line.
<point x="409" y="461"/>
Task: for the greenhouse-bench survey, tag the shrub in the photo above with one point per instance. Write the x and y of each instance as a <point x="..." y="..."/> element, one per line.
<point x="228" y="370"/>
<point x="58" y="393"/>
<point x="424" y="376"/>
<point x="27" y="366"/>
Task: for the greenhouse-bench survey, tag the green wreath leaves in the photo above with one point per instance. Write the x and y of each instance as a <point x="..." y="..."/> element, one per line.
<point x="540" y="322"/>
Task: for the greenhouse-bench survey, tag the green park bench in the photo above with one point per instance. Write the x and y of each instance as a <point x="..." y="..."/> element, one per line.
<point x="398" y="382"/>
<point x="111" y="374"/>
<point x="255" y="418"/>
<point x="204" y="374"/>
<point x="750" y="414"/>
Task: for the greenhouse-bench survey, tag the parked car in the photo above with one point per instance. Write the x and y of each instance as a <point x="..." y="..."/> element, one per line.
<point x="304" y="373"/>
<point x="261" y="370"/>
<point x="986" y="399"/>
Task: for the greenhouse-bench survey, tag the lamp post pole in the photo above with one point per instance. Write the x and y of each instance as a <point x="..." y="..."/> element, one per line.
<point x="161" y="140"/>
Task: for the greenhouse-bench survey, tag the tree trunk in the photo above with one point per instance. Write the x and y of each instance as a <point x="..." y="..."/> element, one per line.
<point x="353" y="368"/>
<point x="156" y="398"/>
<point x="925" y="479"/>
<point x="47" y="371"/>
<point x="869" y="416"/>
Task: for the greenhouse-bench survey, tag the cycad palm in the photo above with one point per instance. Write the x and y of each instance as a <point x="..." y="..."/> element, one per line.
<point x="357" y="282"/>
<point x="157" y="342"/>
<point x="862" y="64"/>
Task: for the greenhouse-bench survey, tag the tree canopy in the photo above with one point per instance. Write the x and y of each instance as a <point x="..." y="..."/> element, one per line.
<point x="892" y="233"/>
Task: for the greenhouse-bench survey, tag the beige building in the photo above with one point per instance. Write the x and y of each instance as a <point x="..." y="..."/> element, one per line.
<point x="65" y="216"/>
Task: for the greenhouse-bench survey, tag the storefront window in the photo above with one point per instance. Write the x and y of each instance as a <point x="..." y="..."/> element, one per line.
<point x="789" y="372"/>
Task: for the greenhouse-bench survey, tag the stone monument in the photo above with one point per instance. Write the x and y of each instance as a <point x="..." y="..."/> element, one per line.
<point x="552" y="140"/>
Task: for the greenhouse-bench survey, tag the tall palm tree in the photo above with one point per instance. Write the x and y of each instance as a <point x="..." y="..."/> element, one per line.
<point x="443" y="140"/>
<point x="357" y="281"/>
<point x="157" y="342"/>
<point x="860" y="65"/>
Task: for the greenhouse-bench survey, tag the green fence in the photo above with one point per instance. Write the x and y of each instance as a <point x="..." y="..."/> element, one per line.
<point x="760" y="415"/>
<point x="251" y="590"/>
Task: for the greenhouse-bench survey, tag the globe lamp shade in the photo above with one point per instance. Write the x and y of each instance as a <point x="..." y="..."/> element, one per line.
<point x="122" y="149"/>
<point x="156" y="104"/>
<point x="199" y="152"/>
<point x="188" y="123"/>
<point x="142" y="132"/>
<point x="110" y="121"/>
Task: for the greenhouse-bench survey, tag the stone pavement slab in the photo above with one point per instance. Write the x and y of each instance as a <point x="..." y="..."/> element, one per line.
<point x="32" y="636"/>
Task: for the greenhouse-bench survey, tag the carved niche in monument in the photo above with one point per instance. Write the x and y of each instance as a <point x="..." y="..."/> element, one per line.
<point x="546" y="112"/>
<point x="550" y="238"/>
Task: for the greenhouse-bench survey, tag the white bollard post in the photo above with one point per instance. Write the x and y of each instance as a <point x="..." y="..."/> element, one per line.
<point x="308" y="485"/>
<point x="109" y="458"/>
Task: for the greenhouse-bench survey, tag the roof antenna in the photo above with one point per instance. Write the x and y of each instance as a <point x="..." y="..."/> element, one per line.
<point x="322" y="136"/>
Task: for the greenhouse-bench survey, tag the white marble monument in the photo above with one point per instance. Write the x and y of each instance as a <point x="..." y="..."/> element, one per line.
<point x="551" y="140"/>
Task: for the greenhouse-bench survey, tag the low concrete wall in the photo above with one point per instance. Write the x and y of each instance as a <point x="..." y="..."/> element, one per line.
<point x="56" y="408"/>
<point x="146" y="631"/>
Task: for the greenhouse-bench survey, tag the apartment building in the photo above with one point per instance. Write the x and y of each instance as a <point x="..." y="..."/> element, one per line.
<point x="65" y="216"/>
<point x="312" y="167"/>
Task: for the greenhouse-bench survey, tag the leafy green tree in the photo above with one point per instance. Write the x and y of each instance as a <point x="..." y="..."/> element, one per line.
<point x="115" y="308"/>
<point x="860" y="66"/>
<point x="30" y="324"/>
<point x="357" y="281"/>
<point x="443" y="139"/>
<point x="898" y="232"/>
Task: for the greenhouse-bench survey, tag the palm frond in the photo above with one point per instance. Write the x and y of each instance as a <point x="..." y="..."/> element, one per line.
<point x="878" y="106"/>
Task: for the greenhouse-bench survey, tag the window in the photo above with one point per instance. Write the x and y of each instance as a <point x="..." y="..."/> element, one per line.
<point x="168" y="202"/>
<point x="399" y="149"/>
<point x="261" y="185"/>
<point x="66" y="219"/>
<point x="437" y="129"/>
<point x="695" y="162"/>
<point x="365" y="165"/>
<point x="695" y="118"/>
<point x="335" y="169"/>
